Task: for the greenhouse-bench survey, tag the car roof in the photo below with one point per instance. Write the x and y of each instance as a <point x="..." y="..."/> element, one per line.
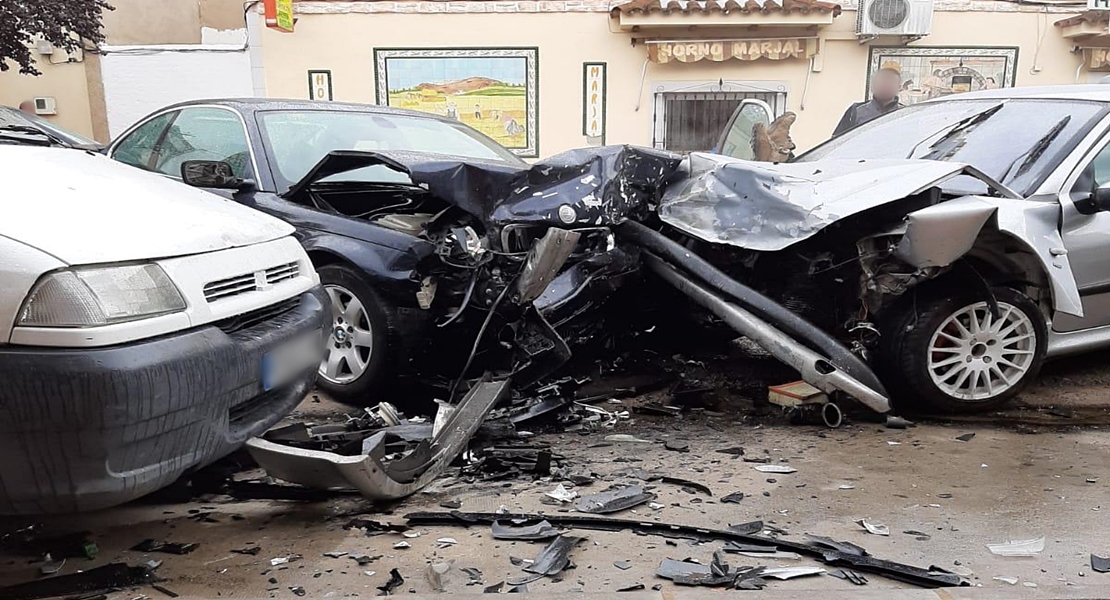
<point x="1094" y="92"/>
<point x="250" y="105"/>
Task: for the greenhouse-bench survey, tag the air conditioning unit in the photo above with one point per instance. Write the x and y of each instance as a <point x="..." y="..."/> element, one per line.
<point x="45" y="48"/>
<point x="895" y="17"/>
<point x="45" y="105"/>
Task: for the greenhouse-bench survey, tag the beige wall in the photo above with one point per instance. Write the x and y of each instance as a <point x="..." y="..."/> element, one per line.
<point x="169" y="21"/>
<point x="344" y="43"/>
<point x="66" y="82"/>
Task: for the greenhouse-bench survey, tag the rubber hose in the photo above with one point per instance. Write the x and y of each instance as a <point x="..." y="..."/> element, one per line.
<point x="765" y="308"/>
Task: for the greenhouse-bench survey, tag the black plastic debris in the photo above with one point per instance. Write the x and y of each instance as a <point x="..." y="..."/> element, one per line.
<point x="743" y="533"/>
<point x="920" y="536"/>
<point x="965" y="437"/>
<point x="738" y="547"/>
<point x="250" y="550"/>
<point x="109" y="577"/>
<point x="686" y="483"/>
<point x="844" y="547"/>
<point x="849" y="575"/>
<point x="474" y="575"/>
<point x="1100" y="564"/>
<point x="632" y="588"/>
<point x="734" y="451"/>
<point x="26" y="541"/>
<point x="298" y="590"/>
<point x="167" y="592"/>
<point x="374" y="528"/>
<point x="364" y="559"/>
<point x="555" y="557"/>
<point x="151" y="545"/>
<point x="539" y="531"/>
<point x="494" y="589"/>
<point x="451" y="504"/>
<point x="614" y="500"/>
<point x="677" y="446"/>
<point x="893" y="422"/>
<point x="733" y="498"/>
<point x="395" y="581"/>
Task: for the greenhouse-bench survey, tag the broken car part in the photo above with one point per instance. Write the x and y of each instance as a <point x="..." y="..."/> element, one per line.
<point x="742" y="534"/>
<point x="109" y="577"/>
<point x="849" y="575"/>
<point x="1018" y="547"/>
<point x="555" y="557"/>
<point x="539" y="531"/>
<point x="395" y="581"/>
<point x="1100" y="564"/>
<point x="612" y="501"/>
<point x="367" y="473"/>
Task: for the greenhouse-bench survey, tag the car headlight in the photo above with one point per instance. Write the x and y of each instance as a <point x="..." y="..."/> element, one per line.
<point x="92" y="296"/>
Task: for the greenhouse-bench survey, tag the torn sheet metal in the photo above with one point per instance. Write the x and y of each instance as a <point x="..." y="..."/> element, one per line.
<point x="614" y="500"/>
<point x="938" y="235"/>
<point x="545" y="259"/>
<point x="367" y="473"/>
<point x="768" y="207"/>
<point x="898" y="571"/>
<point x="555" y="557"/>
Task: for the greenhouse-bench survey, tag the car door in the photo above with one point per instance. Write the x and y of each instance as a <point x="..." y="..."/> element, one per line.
<point x="165" y="141"/>
<point x="1086" y="234"/>
<point x="736" y="139"/>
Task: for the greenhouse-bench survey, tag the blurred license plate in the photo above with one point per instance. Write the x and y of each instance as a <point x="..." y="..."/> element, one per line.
<point x="282" y="364"/>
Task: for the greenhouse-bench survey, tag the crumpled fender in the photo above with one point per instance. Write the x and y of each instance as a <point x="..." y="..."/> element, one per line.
<point x="940" y="234"/>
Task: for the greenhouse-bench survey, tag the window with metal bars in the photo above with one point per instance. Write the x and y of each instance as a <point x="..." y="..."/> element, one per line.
<point x="694" y="121"/>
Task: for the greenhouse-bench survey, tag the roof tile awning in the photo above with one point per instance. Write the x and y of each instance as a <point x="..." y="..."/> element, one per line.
<point x="723" y="13"/>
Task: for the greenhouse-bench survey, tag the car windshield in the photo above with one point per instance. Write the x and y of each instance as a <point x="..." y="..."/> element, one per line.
<point x="18" y="127"/>
<point x="1017" y="141"/>
<point x="297" y="140"/>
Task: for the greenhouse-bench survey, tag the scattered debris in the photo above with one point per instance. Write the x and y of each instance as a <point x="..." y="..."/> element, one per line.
<point x="744" y="534"/>
<point x="893" y="422"/>
<point x="561" y="493"/>
<point x="827" y="542"/>
<point x="395" y="581"/>
<point x="624" y="438"/>
<point x="849" y="575"/>
<point x="614" y="500"/>
<point x="686" y="484"/>
<point x="555" y="557"/>
<point x="632" y="588"/>
<point x="451" y="504"/>
<point x="297" y="590"/>
<point x="677" y="446"/>
<point x="100" y="579"/>
<point x="872" y="528"/>
<point x="474" y="574"/>
<point x="437" y="574"/>
<point x="446" y="541"/>
<point x="250" y="550"/>
<point x="364" y="559"/>
<point x="1009" y="580"/>
<point x="733" y="498"/>
<point x="921" y="536"/>
<point x="792" y="572"/>
<point x="1018" y="547"/>
<point x="1100" y="564"/>
<point x="335" y="554"/>
<point x="173" y="594"/>
<point x="1029" y="584"/>
<point x="845" y="486"/>
<point x="151" y="545"/>
<point x="733" y="451"/>
<point x="780" y="469"/>
<point x="51" y="566"/>
<point x="495" y="588"/>
<point x="539" y="531"/>
<point x="402" y="545"/>
<point x="623" y="565"/>
<point x="965" y="437"/>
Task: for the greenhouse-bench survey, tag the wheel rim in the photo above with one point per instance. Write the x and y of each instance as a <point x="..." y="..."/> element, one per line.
<point x="975" y="357"/>
<point x="350" y="342"/>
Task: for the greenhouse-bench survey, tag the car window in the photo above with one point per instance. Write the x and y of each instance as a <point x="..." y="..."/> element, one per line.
<point x="297" y="140"/>
<point x="1101" y="166"/>
<point x="738" y="141"/>
<point x="204" y="134"/>
<point x="137" y="147"/>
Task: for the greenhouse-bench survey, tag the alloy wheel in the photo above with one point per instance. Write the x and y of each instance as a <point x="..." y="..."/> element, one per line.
<point x="350" y="341"/>
<point x="975" y="356"/>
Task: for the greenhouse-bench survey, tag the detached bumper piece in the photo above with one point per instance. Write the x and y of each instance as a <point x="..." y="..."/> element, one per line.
<point x="369" y="472"/>
<point x="85" y="429"/>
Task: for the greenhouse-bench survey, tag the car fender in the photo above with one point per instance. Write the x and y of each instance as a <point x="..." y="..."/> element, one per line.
<point x="938" y="235"/>
<point x="388" y="269"/>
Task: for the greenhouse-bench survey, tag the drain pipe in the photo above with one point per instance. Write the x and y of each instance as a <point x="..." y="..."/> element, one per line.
<point x="815" y="369"/>
<point x="761" y="306"/>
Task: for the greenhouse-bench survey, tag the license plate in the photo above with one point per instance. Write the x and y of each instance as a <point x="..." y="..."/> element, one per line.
<point x="282" y="364"/>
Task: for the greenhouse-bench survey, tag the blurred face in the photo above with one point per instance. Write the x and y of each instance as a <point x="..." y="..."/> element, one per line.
<point x="885" y="86"/>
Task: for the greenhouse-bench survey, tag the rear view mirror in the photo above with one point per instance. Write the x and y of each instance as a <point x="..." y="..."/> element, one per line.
<point x="212" y="174"/>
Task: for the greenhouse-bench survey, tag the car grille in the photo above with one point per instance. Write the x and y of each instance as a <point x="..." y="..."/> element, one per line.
<point x="254" y="317"/>
<point x="249" y="282"/>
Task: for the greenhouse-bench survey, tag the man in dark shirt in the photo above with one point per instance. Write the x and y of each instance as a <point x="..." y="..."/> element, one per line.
<point x="884" y="99"/>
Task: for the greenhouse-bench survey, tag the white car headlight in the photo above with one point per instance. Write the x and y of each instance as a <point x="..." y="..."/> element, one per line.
<point x="88" y="297"/>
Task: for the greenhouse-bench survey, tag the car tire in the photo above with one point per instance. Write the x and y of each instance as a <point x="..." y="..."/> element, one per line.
<point x="355" y="368"/>
<point x="937" y="358"/>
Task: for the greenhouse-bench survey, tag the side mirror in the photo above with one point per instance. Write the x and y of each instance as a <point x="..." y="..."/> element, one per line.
<point x="212" y="174"/>
<point x="1099" y="201"/>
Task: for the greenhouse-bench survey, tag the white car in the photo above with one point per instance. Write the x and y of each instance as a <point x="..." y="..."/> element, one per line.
<point x="146" y="328"/>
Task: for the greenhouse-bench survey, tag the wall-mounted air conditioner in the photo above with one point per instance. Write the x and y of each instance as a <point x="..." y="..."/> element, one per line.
<point x="895" y="17"/>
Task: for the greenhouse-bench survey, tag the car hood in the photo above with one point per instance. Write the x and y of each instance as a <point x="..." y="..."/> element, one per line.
<point x="768" y="207"/>
<point x="599" y="185"/>
<point x="86" y="208"/>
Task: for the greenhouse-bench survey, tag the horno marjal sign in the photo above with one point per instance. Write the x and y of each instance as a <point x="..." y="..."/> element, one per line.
<point x="753" y="49"/>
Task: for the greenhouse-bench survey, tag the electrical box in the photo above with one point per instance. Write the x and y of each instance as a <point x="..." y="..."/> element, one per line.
<point x="45" y="105"/>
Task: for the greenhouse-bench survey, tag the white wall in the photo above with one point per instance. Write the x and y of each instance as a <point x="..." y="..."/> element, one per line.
<point x="141" y="79"/>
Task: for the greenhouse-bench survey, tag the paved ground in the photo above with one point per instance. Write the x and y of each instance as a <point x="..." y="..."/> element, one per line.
<point x="1043" y="472"/>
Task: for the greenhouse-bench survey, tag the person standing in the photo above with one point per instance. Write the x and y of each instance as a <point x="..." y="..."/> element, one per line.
<point x="884" y="99"/>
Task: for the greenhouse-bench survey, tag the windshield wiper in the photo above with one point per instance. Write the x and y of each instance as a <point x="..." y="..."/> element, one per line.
<point x="50" y="139"/>
<point x="1036" y="150"/>
<point x="964" y="125"/>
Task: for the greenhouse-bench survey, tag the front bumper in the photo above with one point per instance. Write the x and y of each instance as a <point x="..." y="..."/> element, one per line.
<point x="84" y="429"/>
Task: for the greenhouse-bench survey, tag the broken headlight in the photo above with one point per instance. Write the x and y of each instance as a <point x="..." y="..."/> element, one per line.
<point x="89" y="297"/>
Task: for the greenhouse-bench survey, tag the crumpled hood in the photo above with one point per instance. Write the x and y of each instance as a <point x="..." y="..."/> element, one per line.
<point x="602" y="185"/>
<point x="768" y="207"/>
<point x="85" y="208"/>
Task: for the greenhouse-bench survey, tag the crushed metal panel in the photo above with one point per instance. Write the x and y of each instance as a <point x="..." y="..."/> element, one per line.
<point x="545" y="259"/>
<point x="768" y="207"/>
<point x="938" y="235"/>
<point x="367" y="473"/>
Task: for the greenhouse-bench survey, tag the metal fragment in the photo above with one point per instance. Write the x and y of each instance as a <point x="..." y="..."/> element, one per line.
<point x="539" y="531"/>
<point x="1031" y="547"/>
<point x="614" y="500"/>
<point x="555" y="557"/>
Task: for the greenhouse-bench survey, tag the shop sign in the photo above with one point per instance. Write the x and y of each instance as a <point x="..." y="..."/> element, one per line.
<point x="593" y="100"/>
<point x="1098" y="59"/>
<point x="1098" y="4"/>
<point x="279" y="14"/>
<point x="753" y="49"/>
<point x="319" y="85"/>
